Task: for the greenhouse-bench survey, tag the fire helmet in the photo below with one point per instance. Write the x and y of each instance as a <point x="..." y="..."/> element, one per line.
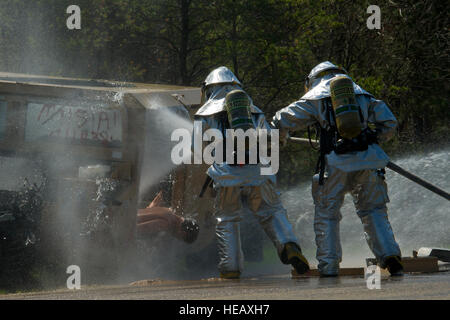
<point x="218" y="76"/>
<point x="321" y="70"/>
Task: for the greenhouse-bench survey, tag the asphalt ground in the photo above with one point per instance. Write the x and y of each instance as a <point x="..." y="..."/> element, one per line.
<point x="283" y="287"/>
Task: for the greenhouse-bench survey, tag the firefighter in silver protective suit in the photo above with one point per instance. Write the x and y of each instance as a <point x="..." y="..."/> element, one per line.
<point x="242" y="185"/>
<point x="351" y="161"/>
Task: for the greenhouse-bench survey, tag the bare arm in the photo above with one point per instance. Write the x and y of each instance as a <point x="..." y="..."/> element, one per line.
<point x="157" y="219"/>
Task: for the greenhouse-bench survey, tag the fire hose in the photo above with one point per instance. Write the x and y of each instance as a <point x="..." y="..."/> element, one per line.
<point x="399" y="170"/>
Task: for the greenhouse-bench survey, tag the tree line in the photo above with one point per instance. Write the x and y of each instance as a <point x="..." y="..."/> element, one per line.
<point x="271" y="45"/>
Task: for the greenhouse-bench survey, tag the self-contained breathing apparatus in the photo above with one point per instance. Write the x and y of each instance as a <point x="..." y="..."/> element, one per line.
<point x="345" y="131"/>
<point x="237" y="116"/>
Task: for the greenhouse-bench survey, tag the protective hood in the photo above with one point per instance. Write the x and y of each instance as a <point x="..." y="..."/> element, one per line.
<point x="216" y="102"/>
<point x="320" y="88"/>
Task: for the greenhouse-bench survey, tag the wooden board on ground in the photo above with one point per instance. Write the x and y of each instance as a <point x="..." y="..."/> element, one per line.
<point x="342" y="272"/>
<point x="413" y="264"/>
<point x="420" y="264"/>
<point x="440" y="253"/>
<point x="410" y="265"/>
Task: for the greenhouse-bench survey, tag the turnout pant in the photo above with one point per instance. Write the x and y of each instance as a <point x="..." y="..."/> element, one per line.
<point x="369" y="192"/>
<point x="265" y="204"/>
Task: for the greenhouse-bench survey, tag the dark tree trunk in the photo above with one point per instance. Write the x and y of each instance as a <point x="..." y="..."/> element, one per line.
<point x="183" y="56"/>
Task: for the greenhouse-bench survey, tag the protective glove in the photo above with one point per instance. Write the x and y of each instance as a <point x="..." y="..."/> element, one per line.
<point x="371" y="136"/>
<point x="284" y="137"/>
<point x="284" y="133"/>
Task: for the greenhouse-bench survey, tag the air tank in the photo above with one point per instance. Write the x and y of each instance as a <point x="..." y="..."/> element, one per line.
<point x="346" y="109"/>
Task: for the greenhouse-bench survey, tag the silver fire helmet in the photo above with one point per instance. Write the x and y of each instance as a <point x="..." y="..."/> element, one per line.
<point x="218" y="76"/>
<point x="321" y="70"/>
<point x="221" y="75"/>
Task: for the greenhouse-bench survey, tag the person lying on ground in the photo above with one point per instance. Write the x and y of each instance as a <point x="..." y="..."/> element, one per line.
<point x="156" y="218"/>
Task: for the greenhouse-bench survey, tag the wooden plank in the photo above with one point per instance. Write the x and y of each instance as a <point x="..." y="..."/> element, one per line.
<point x="342" y="272"/>
<point x="420" y="264"/>
<point x="440" y="253"/>
<point x="414" y="264"/>
<point x="410" y="265"/>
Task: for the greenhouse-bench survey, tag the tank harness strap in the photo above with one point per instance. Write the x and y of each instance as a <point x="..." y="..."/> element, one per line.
<point x="317" y="129"/>
<point x="320" y="166"/>
<point x="326" y="142"/>
<point x="206" y="184"/>
<point x="330" y="140"/>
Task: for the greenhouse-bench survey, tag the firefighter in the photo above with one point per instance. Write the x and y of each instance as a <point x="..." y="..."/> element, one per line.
<point x="242" y="185"/>
<point x="351" y="161"/>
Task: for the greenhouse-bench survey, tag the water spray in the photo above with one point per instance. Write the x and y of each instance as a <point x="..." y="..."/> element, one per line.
<point x="396" y="168"/>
